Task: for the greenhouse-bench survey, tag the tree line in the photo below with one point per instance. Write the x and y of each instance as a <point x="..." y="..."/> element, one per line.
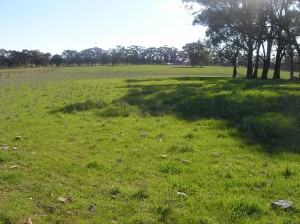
<point x="193" y="53"/>
<point x="260" y="31"/>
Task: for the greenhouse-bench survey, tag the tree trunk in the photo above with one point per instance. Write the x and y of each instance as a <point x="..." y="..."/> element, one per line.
<point x="249" y="59"/>
<point x="291" y="54"/>
<point x="234" y="74"/>
<point x="256" y="62"/>
<point x="276" y="74"/>
<point x="266" y="68"/>
<point x="296" y="45"/>
<point x="267" y="61"/>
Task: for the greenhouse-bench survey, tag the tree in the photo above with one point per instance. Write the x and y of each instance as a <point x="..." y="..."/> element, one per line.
<point x="134" y="54"/>
<point x="262" y="26"/>
<point x="3" y="59"/>
<point x="104" y="58"/>
<point x="69" y="56"/>
<point x="57" y="60"/>
<point x="197" y="53"/>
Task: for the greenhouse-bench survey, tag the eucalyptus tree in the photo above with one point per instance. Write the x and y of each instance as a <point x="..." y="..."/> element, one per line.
<point x="170" y="55"/>
<point x="117" y="55"/>
<point x="261" y="27"/>
<point x="197" y="53"/>
<point x="134" y="54"/>
<point x="104" y="57"/>
<point x="3" y="60"/>
<point x="292" y="29"/>
<point x="151" y="55"/>
<point x="69" y="56"/>
<point x="231" y="20"/>
<point x="57" y="60"/>
<point x="91" y="56"/>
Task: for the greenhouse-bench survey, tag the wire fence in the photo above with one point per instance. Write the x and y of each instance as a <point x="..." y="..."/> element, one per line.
<point x="12" y="74"/>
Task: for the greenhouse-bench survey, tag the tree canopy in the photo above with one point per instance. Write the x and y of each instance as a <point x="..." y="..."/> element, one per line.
<point x="253" y="29"/>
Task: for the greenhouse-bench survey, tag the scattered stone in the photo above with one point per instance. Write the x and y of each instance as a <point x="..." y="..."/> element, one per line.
<point x="14" y="148"/>
<point x="183" y="160"/>
<point x="13" y="167"/>
<point x="114" y="196"/>
<point x="18" y="138"/>
<point x="217" y="153"/>
<point x="182" y="194"/>
<point x="144" y="134"/>
<point x="164" y="156"/>
<point x="92" y="208"/>
<point x="64" y="199"/>
<point x="286" y="205"/>
<point x="28" y="221"/>
<point x="5" y="148"/>
<point x="120" y="133"/>
<point x="161" y="140"/>
<point x="229" y="164"/>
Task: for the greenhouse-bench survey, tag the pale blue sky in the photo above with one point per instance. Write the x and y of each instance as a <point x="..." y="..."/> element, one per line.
<point x="56" y="25"/>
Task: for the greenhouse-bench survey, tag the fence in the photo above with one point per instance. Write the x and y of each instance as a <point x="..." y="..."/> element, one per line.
<point x="11" y="74"/>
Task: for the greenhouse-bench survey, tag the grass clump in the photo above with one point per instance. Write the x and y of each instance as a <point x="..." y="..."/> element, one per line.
<point x="142" y="193"/>
<point x="181" y="148"/>
<point x="94" y="166"/>
<point x="171" y="168"/>
<point x="245" y="209"/>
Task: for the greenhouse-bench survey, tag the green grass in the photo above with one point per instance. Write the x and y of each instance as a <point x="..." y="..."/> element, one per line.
<point x="129" y="142"/>
<point x="130" y="71"/>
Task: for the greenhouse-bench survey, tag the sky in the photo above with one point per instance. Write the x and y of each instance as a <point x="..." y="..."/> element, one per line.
<point x="57" y="25"/>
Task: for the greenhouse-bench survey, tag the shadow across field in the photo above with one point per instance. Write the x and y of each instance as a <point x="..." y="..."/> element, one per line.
<point x="265" y="112"/>
<point x="80" y="106"/>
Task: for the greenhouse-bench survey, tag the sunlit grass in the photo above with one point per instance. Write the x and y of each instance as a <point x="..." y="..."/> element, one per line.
<point x="129" y="71"/>
<point x="148" y="149"/>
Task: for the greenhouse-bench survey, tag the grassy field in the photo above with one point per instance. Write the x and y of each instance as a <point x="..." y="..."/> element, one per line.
<point x="148" y="144"/>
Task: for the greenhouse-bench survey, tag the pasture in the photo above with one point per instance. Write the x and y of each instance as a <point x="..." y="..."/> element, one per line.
<point x="148" y="144"/>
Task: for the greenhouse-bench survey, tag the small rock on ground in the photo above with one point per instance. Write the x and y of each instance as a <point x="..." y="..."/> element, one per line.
<point x="92" y="208"/>
<point x="287" y="205"/>
<point x="28" y="221"/>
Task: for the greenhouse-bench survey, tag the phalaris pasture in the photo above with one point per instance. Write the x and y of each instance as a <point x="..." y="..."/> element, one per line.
<point x="148" y="144"/>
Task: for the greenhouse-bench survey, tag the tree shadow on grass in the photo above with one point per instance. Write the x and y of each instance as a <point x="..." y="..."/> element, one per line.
<point x="265" y="112"/>
<point x="80" y="106"/>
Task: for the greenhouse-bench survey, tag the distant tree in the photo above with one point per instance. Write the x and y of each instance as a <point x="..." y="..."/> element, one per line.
<point x="26" y="57"/>
<point x="104" y="58"/>
<point x="117" y="55"/>
<point x="69" y="56"/>
<point x="150" y="55"/>
<point x="3" y="60"/>
<point x="39" y="58"/>
<point x="57" y="60"/>
<point x="197" y="53"/>
<point x="134" y="54"/>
